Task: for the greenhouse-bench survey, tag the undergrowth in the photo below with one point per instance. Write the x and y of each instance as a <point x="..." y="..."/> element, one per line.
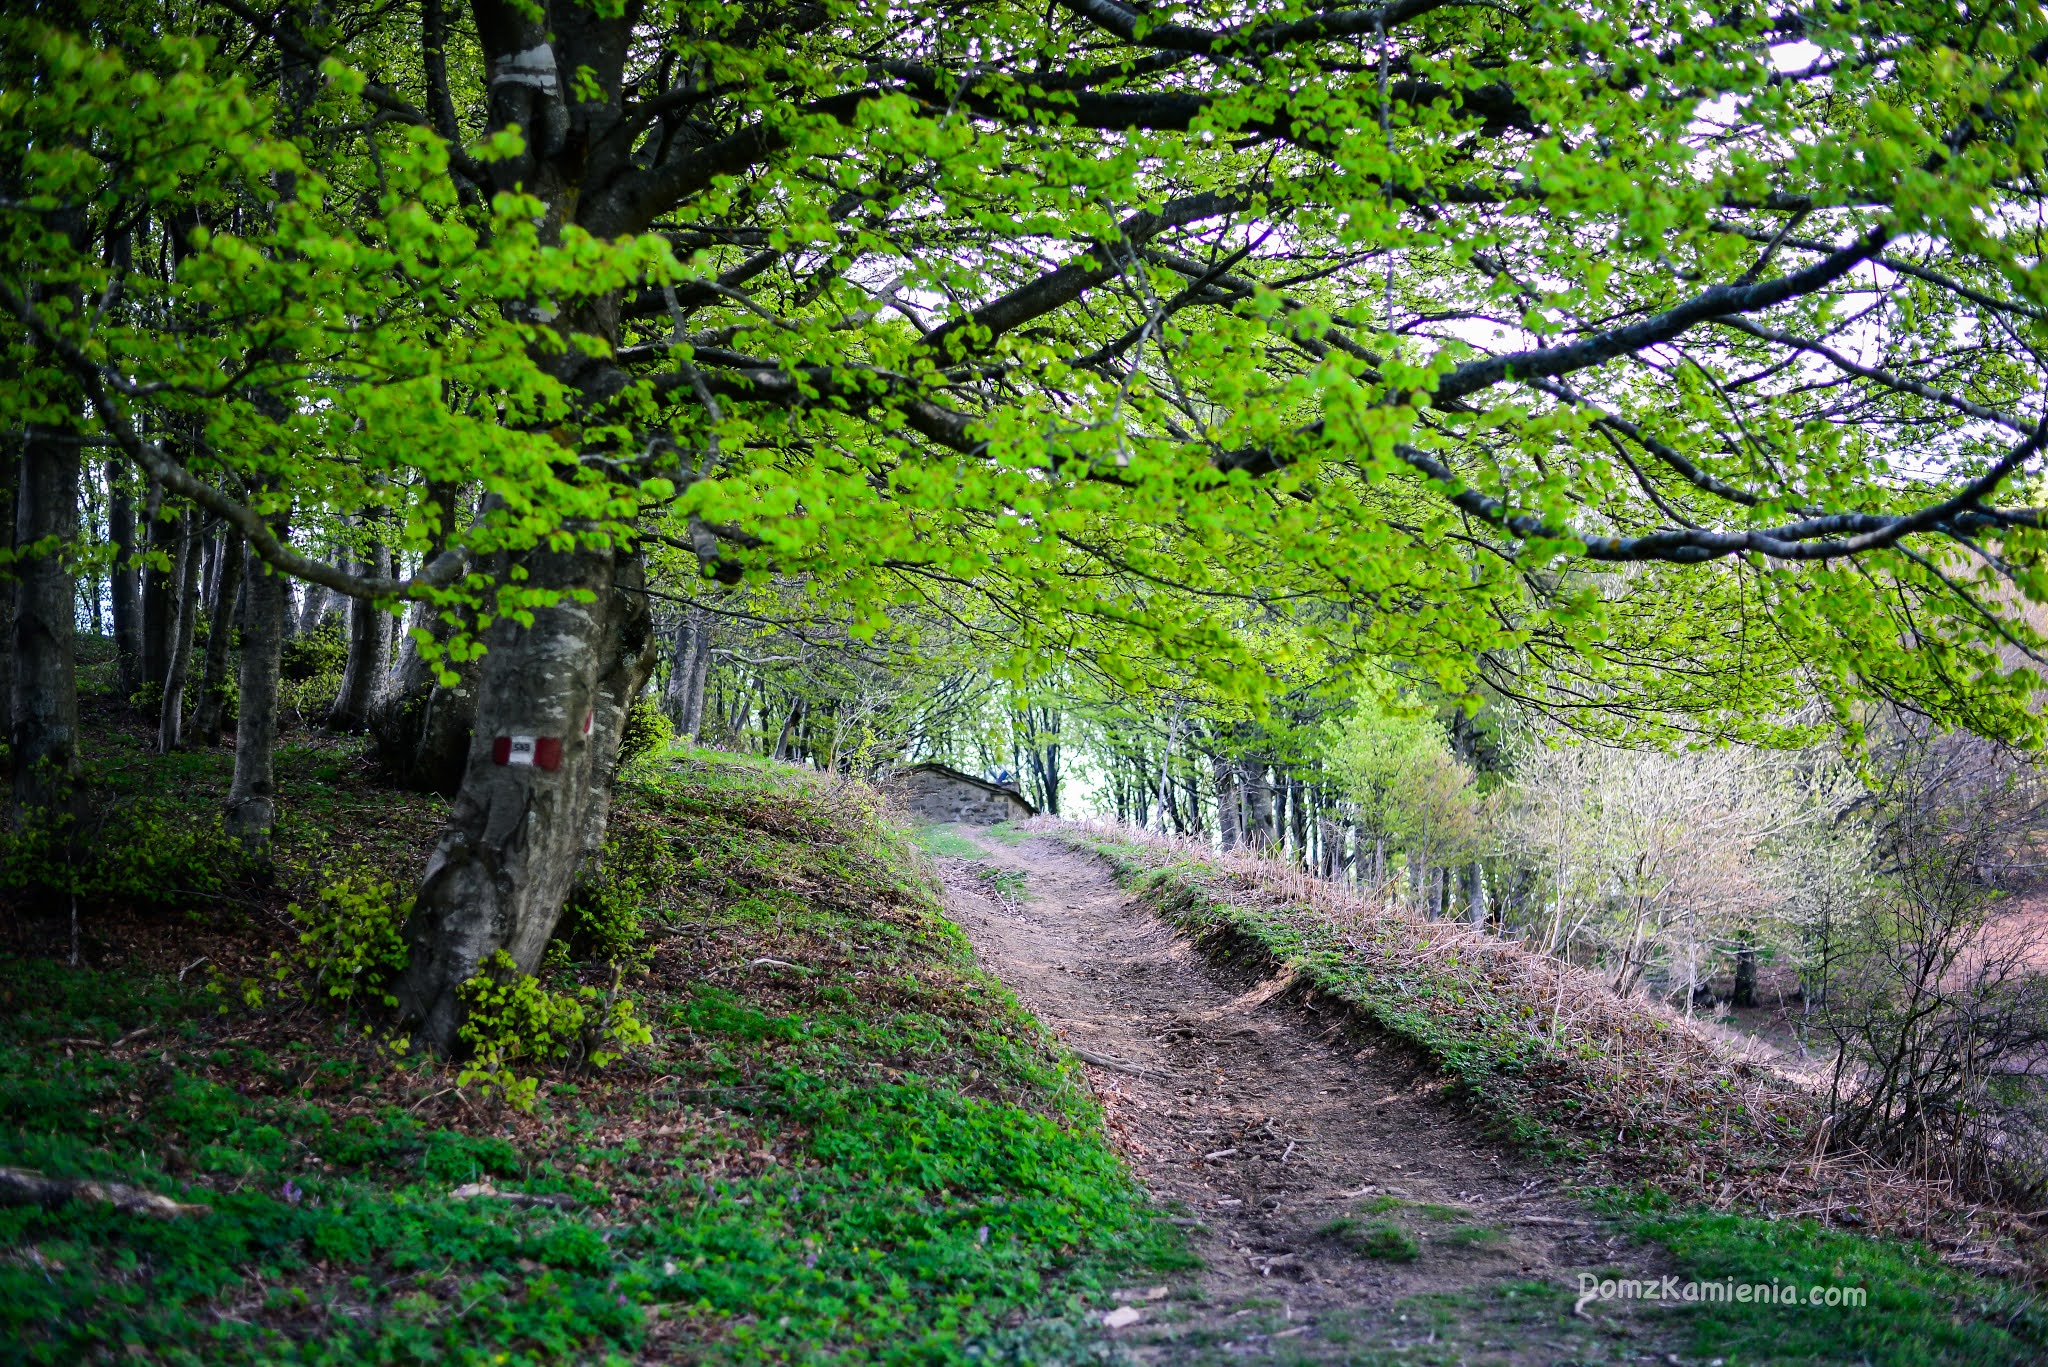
<point x="837" y="1141"/>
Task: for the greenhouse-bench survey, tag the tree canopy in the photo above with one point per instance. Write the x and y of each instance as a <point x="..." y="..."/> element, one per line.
<point x="1461" y="322"/>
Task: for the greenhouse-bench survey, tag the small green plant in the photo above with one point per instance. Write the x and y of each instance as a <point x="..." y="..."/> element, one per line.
<point x="510" y="1019"/>
<point x="1005" y="885"/>
<point x="352" y="938"/>
<point x="605" y="920"/>
<point x="1380" y="1239"/>
<point x="647" y="731"/>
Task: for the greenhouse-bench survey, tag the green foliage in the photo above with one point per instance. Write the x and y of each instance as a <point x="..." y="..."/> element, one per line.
<point x="323" y="650"/>
<point x="608" y="914"/>
<point x="1918" y="1310"/>
<point x="353" y="939"/>
<point x="646" y="731"/>
<point x="509" y="1019"/>
<point x="117" y="847"/>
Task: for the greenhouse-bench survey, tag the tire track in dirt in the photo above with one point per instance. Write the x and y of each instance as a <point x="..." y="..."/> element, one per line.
<point x="1260" y="1121"/>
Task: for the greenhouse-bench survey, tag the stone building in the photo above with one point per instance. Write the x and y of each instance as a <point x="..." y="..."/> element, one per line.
<point x="935" y="792"/>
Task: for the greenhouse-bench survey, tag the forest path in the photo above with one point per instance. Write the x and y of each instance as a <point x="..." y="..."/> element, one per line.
<point x="1258" y="1124"/>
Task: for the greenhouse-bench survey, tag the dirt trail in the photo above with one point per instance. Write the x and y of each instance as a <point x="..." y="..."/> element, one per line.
<point x="1263" y="1122"/>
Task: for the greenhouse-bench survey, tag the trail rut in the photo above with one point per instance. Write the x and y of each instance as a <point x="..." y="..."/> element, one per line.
<point x="1343" y="1208"/>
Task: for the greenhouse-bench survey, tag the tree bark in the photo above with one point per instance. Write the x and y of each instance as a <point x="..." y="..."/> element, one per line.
<point x="1475" y="894"/>
<point x="420" y="728"/>
<point x="314" y="608"/>
<point x="160" y="587"/>
<point x="43" y="731"/>
<point x="171" y="715"/>
<point x="10" y="487"/>
<point x="123" y="587"/>
<point x="252" y="797"/>
<point x="1745" y="978"/>
<point x="212" y="707"/>
<point x="518" y="831"/>
<point x="369" y="642"/>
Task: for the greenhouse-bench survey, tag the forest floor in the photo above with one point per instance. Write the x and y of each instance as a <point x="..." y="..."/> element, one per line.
<point x="1344" y="1206"/>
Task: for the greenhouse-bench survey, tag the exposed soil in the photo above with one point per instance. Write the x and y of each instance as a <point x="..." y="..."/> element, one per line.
<point x="1262" y="1116"/>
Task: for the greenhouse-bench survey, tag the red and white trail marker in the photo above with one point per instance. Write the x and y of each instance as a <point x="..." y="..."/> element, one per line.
<point x="544" y="751"/>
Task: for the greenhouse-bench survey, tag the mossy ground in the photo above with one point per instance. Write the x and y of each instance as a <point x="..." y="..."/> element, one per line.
<point x="845" y="1144"/>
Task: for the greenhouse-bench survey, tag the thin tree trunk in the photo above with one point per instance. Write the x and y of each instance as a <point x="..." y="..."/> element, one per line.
<point x="123" y="587"/>
<point x="43" y="715"/>
<point x="171" y="715"/>
<point x="692" y="725"/>
<point x="159" y="585"/>
<point x="212" y="707"/>
<point x="534" y="799"/>
<point x="368" y="652"/>
<point x="252" y="798"/>
<point x="1475" y="893"/>
<point x="10" y="488"/>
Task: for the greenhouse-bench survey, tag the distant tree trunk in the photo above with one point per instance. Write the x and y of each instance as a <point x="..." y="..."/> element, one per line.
<point x="369" y="659"/>
<point x="551" y="701"/>
<point x="171" y="714"/>
<point x="688" y="670"/>
<point x="43" y="716"/>
<point x="1259" y="816"/>
<point x="10" y="487"/>
<point x="159" y="585"/>
<point x="1229" y="807"/>
<point x="123" y="588"/>
<point x="1475" y="893"/>
<point x="314" y="608"/>
<point x="1745" y="978"/>
<point x="227" y="585"/>
<point x="252" y="797"/>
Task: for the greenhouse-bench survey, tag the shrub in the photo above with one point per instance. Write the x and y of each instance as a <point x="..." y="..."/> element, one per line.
<point x="646" y="731"/>
<point x="323" y="650"/>
<point x="140" y="849"/>
<point x="509" y="1019"/>
<point x="353" y="939"/>
<point x="605" y="918"/>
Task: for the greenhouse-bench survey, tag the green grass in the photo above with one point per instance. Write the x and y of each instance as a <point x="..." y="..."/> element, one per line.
<point x="946" y="840"/>
<point x="1917" y="1310"/>
<point x="1373" y="1238"/>
<point x="1008" y="833"/>
<point x="878" y="1158"/>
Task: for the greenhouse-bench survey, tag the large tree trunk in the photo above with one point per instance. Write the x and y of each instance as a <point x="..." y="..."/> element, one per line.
<point x="537" y="788"/>
<point x="1259" y="794"/>
<point x="123" y="588"/>
<point x="171" y="717"/>
<point x="212" y="707"/>
<point x="369" y="658"/>
<point x="252" y="798"/>
<point x="43" y="717"/>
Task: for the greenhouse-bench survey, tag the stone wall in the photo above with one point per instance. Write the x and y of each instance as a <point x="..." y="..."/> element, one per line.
<point x="934" y="797"/>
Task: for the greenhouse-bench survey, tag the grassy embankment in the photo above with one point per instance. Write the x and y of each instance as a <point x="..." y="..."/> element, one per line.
<point x="1649" y="1120"/>
<point x="845" y="1143"/>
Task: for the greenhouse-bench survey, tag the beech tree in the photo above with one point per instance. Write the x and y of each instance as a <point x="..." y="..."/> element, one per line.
<point x="1633" y="358"/>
